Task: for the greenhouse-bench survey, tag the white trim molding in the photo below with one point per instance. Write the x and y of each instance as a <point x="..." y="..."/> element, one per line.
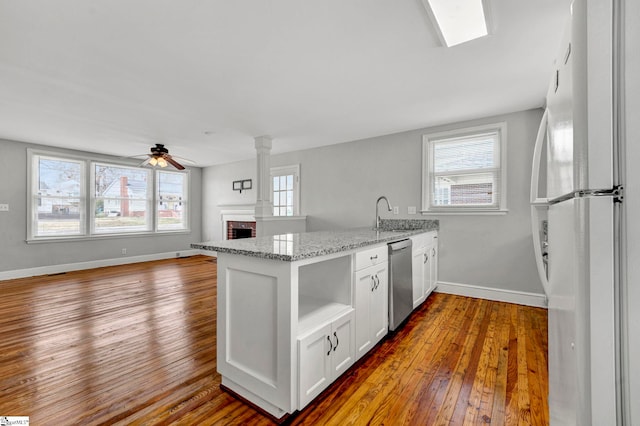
<point x="69" y="267"/>
<point x="537" y="300"/>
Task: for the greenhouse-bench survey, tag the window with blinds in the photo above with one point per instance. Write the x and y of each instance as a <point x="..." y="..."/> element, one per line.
<point x="464" y="170"/>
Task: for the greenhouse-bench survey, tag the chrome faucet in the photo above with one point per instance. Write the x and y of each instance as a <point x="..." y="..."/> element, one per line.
<point x="377" y="215"/>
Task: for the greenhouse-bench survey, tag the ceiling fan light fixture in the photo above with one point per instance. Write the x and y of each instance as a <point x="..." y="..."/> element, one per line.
<point x="153" y="161"/>
<point x="458" y="21"/>
<point x="162" y="162"/>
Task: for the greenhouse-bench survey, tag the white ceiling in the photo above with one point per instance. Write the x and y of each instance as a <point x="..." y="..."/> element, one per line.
<point x="205" y="77"/>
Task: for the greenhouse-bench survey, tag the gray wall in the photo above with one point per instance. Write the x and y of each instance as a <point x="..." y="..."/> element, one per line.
<point x="340" y="184"/>
<point x="16" y="254"/>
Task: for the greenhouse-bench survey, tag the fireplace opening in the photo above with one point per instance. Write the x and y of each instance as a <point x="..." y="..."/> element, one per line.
<point x="237" y="233"/>
<point x="240" y="229"/>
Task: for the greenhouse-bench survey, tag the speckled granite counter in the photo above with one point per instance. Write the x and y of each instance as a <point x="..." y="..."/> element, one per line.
<point x="292" y="247"/>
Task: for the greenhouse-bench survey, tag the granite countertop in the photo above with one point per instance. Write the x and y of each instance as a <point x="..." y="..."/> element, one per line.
<point x="292" y="247"/>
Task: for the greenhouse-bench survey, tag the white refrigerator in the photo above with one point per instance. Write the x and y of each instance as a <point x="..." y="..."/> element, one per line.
<point x="575" y="199"/>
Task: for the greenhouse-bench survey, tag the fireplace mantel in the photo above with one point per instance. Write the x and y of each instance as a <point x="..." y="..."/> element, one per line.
<point x="235" y="215"/>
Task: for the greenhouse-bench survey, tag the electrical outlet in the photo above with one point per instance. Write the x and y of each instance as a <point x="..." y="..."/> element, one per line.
<point x="411" y="210"/>
<point x="4" y="207"/>
<point x="396" y="210"/>
<point x="124" y="251"/>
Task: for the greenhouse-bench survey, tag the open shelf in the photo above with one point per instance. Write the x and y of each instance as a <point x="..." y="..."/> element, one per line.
<point x="324" y="292"/>
<point x="313" y="311"/>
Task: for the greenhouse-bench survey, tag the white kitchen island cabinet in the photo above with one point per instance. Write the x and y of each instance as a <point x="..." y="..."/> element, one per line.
<point x="324" y="354"/>
<point x="286" y="314"/>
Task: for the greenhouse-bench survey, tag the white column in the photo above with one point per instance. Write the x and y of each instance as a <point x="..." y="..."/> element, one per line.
<point x="264" y="206"/>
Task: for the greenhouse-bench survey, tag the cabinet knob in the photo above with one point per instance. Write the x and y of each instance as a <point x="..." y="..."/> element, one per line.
<point x="337" y="341"/>
<point x="330" y="345"/>
<point x="433" y="252"/>
<point x="374" y="257"/>
<point x="373" y="283"/>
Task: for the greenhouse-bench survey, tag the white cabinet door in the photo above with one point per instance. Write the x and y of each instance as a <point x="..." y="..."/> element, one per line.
<point x="343" y="349"/>
<point x="433" y="266"/>
<point x="371" y="307"/>
<point x="323" y="355"/>
<point x="418" y="273"/>
<point x="314" y="364"/>
<point x="426" y="269"/>
<point x="379" y="306"/>
<point x="364" y="283"/>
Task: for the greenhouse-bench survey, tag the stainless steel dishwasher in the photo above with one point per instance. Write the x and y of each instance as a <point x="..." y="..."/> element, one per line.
<point x="400" y="285"/>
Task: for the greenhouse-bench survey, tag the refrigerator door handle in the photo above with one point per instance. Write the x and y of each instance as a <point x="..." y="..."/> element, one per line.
<point x="538" y="204"/>
<point x="617" y="192"/>
<point x="537" y="154"/>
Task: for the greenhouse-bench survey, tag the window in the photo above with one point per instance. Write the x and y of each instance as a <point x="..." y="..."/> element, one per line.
<point x="121" y="199"/>
<point x="464" y="170"/>
<point x="172" y="200"/>
<point x="58" y="197"/>
<point x="285" y="187"/>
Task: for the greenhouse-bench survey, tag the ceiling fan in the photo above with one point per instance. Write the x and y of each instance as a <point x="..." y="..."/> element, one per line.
<point x="160" y="157"/>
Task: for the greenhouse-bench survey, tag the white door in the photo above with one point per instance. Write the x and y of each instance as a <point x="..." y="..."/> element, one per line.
<point x="364" y="288"/>
<point x="418" y="274"/>
<point x="426" y="279"/>
<point x="379" y="304"/>
<point x="315" y="353"/>
<point x="343" y="350"/>
<point x="433" y="267"/>
<point x="631" y="211"/>
<point x="563" y="263"/>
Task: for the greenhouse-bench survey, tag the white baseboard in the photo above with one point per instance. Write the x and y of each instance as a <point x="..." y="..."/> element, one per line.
<point x="68" y="267"/>
<point x="496" y="294"/>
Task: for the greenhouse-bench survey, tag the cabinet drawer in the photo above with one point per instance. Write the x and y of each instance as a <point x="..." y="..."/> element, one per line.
<point x="371" y="257"/>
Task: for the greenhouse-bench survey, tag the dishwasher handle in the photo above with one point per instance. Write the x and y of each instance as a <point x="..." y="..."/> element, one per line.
<point x="399" y="246"/>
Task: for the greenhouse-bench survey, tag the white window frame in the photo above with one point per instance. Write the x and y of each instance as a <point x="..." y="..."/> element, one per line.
<point x="294" y="170"/>
<point x="429" y="139"/>
<point x="88" y="198"/>
<point x="33" y="179"/>
<point x="149" y="215"/>
<point x="185" y="200"/>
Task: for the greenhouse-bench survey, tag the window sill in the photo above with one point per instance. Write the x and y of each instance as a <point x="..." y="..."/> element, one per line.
<point x="97" y="237"/>
<point x="465" y="212"/>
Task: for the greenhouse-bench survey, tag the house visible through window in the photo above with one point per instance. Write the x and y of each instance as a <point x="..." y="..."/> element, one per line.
<point x="58" y="197"/>
<point x="122" y="200"/>
<point x="285" y="186"/>
<point x="464" y="170"/>
<point x="172" y="200"/>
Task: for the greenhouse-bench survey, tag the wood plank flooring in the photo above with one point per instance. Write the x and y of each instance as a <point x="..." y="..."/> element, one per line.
<point x="135" y="344"/>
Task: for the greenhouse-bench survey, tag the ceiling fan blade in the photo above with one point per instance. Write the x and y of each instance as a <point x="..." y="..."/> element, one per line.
<point x="173" y="162"/>
<point x="183" y="160"/>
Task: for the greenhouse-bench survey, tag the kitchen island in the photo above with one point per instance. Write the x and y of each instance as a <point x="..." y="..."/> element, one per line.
<point x="286" y="310"/>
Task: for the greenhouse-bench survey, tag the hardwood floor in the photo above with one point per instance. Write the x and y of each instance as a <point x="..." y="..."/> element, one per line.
<point x="135" y="344"/>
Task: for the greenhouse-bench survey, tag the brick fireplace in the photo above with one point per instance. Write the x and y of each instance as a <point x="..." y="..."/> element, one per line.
<point x="240" y="229"/>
